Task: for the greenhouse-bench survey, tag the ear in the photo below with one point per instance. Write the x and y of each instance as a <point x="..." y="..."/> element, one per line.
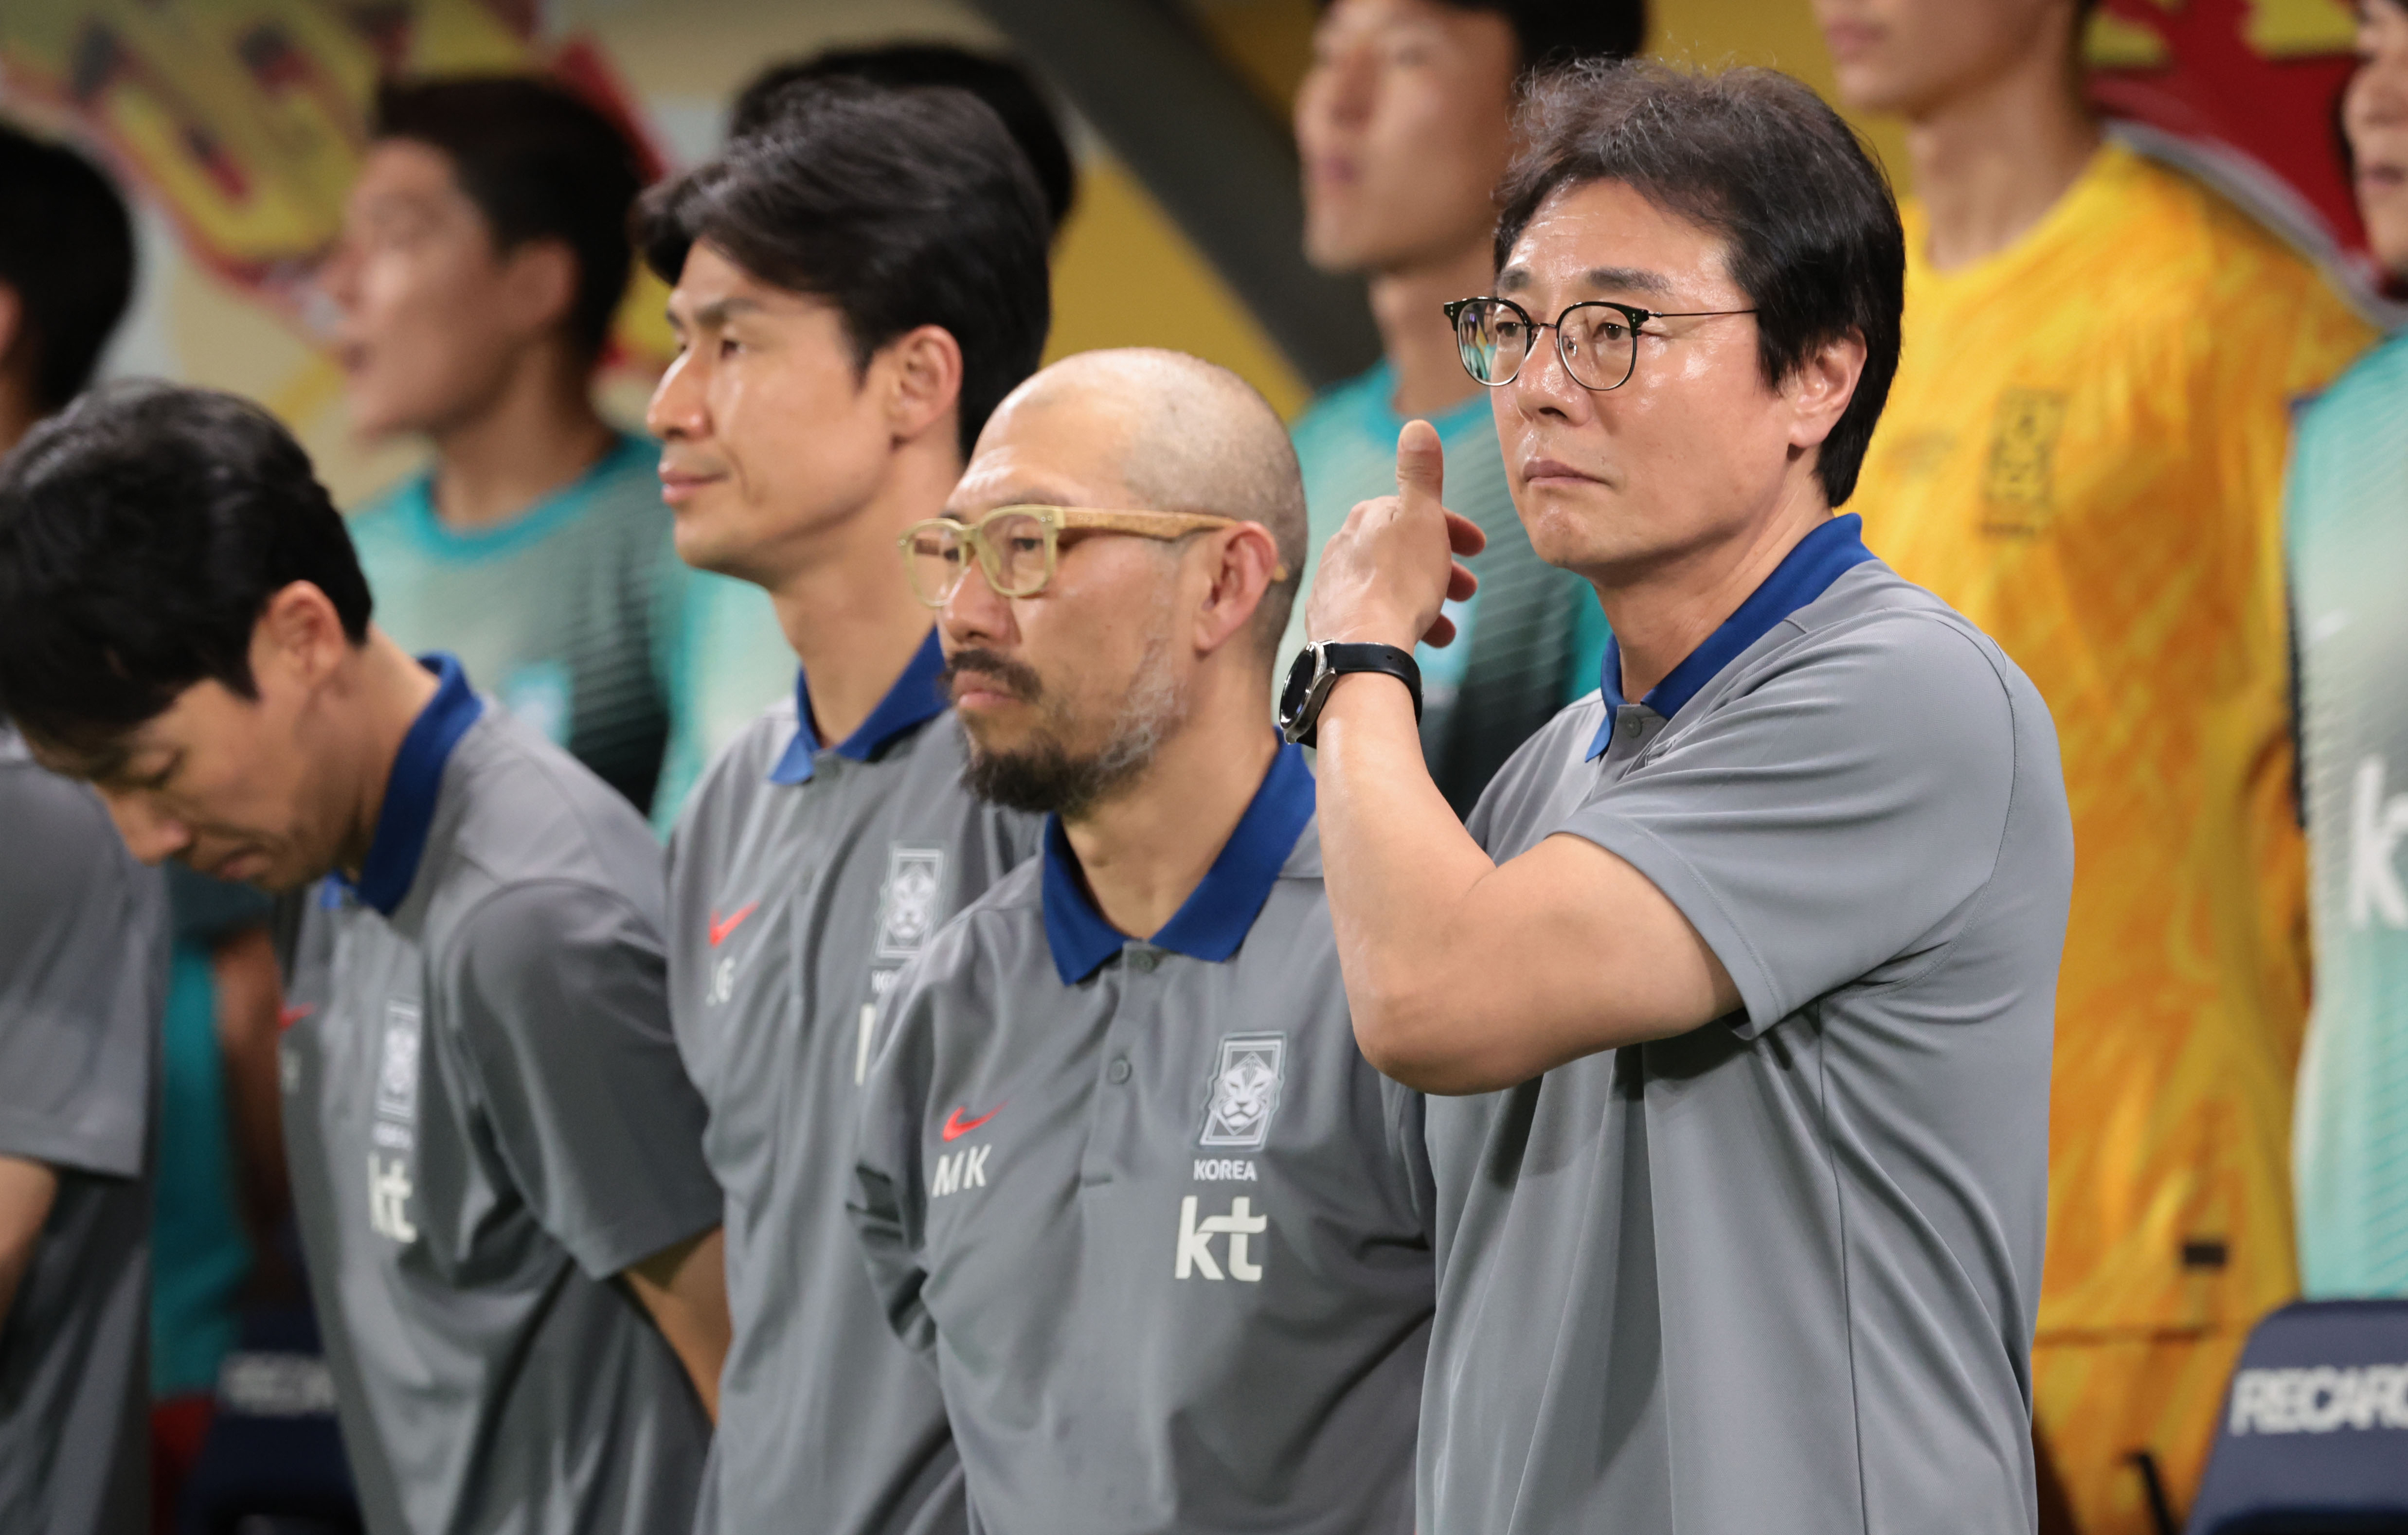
<point x="919" y="372"/>
<point x="298" y="641"/>
<point x="541" y="276"/>
<point x="1818" y="390"/>
<point x="1243" y="566"/>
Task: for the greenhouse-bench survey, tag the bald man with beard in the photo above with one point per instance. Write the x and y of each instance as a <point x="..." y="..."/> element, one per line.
<point x="1123" y="1176"/>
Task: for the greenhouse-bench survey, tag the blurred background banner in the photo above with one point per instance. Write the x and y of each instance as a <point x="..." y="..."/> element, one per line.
<point x="239" y="124"/>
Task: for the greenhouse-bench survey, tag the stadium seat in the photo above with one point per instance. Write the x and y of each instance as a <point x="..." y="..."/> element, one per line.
<point x="2314" y="1436"/>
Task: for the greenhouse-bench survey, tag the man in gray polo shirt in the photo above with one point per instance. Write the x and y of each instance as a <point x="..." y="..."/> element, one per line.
<point x="1742" y="973"/>
<point x="1123" y="1175"/>
<point x="856" y="285"/>
<point x="83" y="976"/>
<point x="496" y="1158"/>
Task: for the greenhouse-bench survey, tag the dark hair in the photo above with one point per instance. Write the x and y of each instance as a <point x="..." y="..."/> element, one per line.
<point x="67" y="247"/>
<point x="900" y="207"/>
<point x="1557" y="31"/>
<point x="1810" y="228"/>
<point x="539" y="163"/>
<point x="142" y="532"/>
<point x="1002" y="83"/>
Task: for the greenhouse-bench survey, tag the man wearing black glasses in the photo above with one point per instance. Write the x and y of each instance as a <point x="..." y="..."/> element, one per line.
<point x="858" y="285"/>
<point x="1739" y="983"/>
<point x="1125" y="1176"/>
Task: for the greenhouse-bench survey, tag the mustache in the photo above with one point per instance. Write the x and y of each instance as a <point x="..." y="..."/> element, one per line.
<point x="1018" y="678"/>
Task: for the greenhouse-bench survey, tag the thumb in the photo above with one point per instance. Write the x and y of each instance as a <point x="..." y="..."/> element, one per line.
<point x="1421" y="465"/>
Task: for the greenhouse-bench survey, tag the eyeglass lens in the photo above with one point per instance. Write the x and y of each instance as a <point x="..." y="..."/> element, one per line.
<point x="1012" y="553"/>
<point x="1597" y="342"/>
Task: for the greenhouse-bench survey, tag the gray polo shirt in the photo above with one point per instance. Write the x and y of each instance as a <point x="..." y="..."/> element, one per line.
<point x="801" y="878"/>
<point x="486" y="1122"/>
<point x="1163" y="1230"/>
<point x="83" y="976"/>
<point x="1778" y="1272"/>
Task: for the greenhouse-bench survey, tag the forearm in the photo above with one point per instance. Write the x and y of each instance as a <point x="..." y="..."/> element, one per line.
<point x="1398" y="867"/>
<point x="684" y="1287"/>
<point x="1466" y="976"/>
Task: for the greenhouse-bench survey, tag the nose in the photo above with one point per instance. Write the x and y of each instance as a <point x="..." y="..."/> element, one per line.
<point x="1543" y="387"/>
<point x="974" y="615"/>
<point x="151" y="835"/>
<point x="677" y="412"/>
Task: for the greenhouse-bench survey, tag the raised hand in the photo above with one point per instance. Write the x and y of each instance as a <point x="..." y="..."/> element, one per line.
<point x="1386" y="575"/>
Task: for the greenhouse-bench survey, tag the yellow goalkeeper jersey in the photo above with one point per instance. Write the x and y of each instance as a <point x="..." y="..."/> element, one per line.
<point x="2084" y="454"/>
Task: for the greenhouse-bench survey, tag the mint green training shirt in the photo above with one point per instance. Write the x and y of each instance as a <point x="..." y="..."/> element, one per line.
<point x="570" y="612"/>
<point x="1529" y="642"/>
<point x="2348" y="515"/>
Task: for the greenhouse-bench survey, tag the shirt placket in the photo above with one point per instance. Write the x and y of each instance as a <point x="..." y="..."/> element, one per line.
<point x="1111" y="1129"/>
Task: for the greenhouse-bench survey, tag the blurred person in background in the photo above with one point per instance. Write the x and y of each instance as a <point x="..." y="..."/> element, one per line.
<point x="2349" y="546"/>
<point x="66" y="276"/>
<point x="512" y="1235"/>
<point x="858" y="285"/>
<point x="1404" y="124"/>
<point x="2083" y="455"/>
<point x="483" y="255"/>
<point x="735" y="661"/>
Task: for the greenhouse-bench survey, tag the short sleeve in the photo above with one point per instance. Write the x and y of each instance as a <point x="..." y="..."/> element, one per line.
<point x="888" y="1208"/>
<point x="559" y="1009"/>
<point x="1840" y="813"/>
<point x="83" y="937"/>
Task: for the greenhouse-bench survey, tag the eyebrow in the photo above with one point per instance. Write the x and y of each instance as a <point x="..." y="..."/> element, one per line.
<point x="1020" y="495"/>
<point x="1636" y="279"/>
<point x="717" y="312"/>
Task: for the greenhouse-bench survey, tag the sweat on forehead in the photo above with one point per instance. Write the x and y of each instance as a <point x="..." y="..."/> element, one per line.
<point x="1186" y="435"/>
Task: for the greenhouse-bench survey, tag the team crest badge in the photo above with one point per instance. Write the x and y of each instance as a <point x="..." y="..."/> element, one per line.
<point x="1245" y="1090"/>
<point x="397" y="1090"/>
<point x="908" y="913"/>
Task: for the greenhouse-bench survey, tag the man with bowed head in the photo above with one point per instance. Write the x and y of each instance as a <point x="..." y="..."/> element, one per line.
<point x="1125" y="1177"/>
<point x="1739" y="982"/>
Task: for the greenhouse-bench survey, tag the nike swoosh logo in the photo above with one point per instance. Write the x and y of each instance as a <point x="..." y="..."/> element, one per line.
<point x="290" y="1015"/>
<point x="956" y="1127"/>
<point x="719" y="930"/>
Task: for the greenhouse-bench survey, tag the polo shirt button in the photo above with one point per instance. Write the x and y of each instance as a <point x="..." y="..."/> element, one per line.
<point x="1630" y="726"/>
<point x="1142" y="961"/>
<point x="1119" y="1070"/>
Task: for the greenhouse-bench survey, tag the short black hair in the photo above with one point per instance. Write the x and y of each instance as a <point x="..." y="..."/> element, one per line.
<point x="142" y="531"/>
<point x="900" y="207"/>
<point x="540" y="164"/>
<point x="1549" y="33"/>
<point x="1810" y="224"/>
<point x="1001" y="82"/>
<point x="67" y="247"/>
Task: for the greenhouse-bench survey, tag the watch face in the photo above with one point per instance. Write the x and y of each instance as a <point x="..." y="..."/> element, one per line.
<point x="1298" y="688"/>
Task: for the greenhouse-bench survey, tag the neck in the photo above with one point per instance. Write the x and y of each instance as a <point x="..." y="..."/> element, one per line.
<point x="1146" y="849"/>
<point x="1989" y="164"/>
<point x="386" y="693"/>
<point x="1661" y="615"/>
<point x="845" y="607"/>
<point x="1413" y="333"/>
<point x="535" y="434"/>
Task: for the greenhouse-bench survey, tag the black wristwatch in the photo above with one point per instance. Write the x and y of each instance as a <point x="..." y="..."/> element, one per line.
<point x="1320" y="664"/>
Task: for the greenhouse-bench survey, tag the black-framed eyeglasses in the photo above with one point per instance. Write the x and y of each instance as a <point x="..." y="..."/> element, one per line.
<point x="1597" y="339"/>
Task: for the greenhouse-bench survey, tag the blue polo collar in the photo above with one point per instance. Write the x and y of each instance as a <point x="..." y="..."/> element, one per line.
<point x="1218" y="913"/>
<point x="1805" y="573"/>
<point x="913" y="700"/>
<point x="407" y="812"/>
